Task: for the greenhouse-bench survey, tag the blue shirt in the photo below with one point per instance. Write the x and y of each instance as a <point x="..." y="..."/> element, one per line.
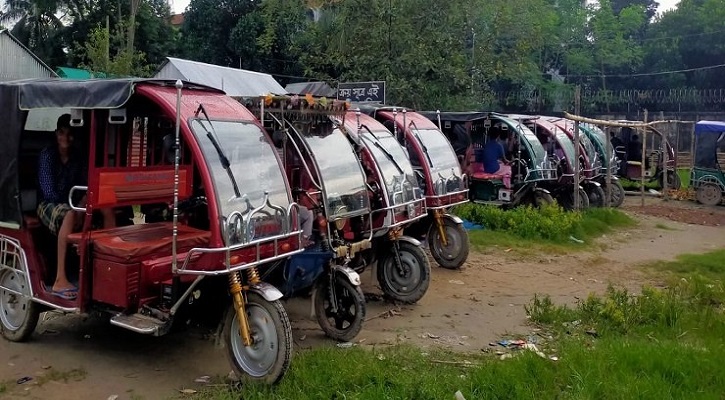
<point x="55" y="178"/>
<point x="492" y="152"/>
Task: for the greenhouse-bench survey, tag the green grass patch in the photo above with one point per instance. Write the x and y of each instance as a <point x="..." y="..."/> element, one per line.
<point x="684" y="174"/>
<point x="3" y="388"/>
<point x="710" y="265"/>
<point x="527" y="227"/>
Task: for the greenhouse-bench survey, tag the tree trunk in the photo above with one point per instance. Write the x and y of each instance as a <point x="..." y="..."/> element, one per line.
<point x="132" y="25"/>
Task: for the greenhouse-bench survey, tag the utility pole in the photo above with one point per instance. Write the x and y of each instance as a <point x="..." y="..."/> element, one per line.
<point x="610" y="164"/>
<point x="577" y="111"/>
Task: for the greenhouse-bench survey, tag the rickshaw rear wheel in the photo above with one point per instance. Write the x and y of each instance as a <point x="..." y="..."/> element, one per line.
<point x="409" y="283"/>
<point x="18" y="316"/>
<point x="596" y="196"/>
<point x="268" y="358"/>
<point x="617" y="193"/>
<point x="709" y="194"/>
<point x="344" y="323"/>
<point x="673" y="180"/>
<point x="567" y="200"/>
<point x="455" y="253"/>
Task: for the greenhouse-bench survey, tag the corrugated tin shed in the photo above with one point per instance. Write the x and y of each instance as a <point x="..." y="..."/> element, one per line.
<point x="235" y="82"/>
<point x="314" y="88"/>
<point x="18" y="62"/>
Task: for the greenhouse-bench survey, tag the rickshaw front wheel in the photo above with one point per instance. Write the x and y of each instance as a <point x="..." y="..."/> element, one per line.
<point x="409" y="281"/>
<point x="343" y="319"/>
<point x="455" y="252"/>
<point x="18" y="315"/>
<point x="709" y="194"/>
<point x="617" y="193"/>
<point x="268" y="358"/>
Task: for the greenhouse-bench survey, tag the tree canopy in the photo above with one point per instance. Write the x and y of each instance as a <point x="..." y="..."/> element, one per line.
<point x="456" y="54"/>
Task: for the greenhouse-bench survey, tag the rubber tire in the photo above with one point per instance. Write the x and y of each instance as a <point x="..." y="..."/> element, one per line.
<point x="283" y="328"/>
<point x="617" y="193"/>
<point x="567" y="200"/>
<point x="433" y="238"/>
<point x="673" y="180"/>
<point x="540" y="199"/>
<point x="597" y="197"/>
<point x="32" y="313"/>
<point x="386" y="265"/>
<point x="342" y="283"/>
<point x="713" y="189"/>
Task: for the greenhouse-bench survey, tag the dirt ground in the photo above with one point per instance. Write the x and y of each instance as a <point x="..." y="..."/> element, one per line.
<point x="73" y="357"/>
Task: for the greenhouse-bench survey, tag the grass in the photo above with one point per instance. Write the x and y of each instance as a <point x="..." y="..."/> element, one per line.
<point x="3" y="388"/>
<point x="550" y="227"/>
<point x="710" y="265"/>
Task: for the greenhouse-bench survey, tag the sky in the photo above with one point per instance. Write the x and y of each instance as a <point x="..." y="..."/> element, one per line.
<point x="178" y="6"/>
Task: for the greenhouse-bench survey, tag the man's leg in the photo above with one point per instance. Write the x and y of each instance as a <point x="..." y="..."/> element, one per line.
<point x="66" y="228"/>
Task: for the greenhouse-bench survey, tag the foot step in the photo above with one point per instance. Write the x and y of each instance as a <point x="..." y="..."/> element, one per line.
<point x="141" y="324"/>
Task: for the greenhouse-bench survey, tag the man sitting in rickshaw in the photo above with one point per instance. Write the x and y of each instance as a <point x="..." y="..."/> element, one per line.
<point x="494" y="158"/>
<point x="60" y="168"/>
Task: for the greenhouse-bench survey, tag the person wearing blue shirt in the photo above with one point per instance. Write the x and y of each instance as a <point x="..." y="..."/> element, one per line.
<point x="494" y="158"/>
<point x="59" y="169"/>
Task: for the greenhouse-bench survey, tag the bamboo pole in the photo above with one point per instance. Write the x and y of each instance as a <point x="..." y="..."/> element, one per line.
<point x="644" y="157"/>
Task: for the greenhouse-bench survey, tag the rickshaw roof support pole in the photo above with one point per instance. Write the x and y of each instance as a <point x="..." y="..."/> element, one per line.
<point x="577" y="107"/>
<point x="644" y="149"/>
<point x="174" y="267"/>
<point x="438" y="116"/>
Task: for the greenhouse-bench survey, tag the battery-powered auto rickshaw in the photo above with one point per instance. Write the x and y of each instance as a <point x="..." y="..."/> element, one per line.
<point x="627" y="144"/>
<point x="328" y="181"/>
<point x="599" y="139"/>
<point x="591" y="164"/>
<point x="439" y="176"/>
<point x="529" y="165"/>
<point x="561" y="152"/>
<point x="707" y="177"/>
<point x="189" y="151"/>
<point x="396" y="200"/>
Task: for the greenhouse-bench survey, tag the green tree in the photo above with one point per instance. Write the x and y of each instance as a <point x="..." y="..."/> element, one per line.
<point x="37" y="26"/>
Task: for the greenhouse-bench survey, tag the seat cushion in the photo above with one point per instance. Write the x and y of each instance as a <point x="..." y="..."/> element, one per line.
<point x="135" y="243"/>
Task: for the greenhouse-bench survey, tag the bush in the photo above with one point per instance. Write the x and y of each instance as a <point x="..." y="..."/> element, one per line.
<point x="549" y="223"/>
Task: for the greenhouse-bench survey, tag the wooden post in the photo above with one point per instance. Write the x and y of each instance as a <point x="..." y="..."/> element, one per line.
<point x="665" y="157"/>
<point x="577" y="110"/>
<point x="610" y="163"/>
<point x="644" y="157"/>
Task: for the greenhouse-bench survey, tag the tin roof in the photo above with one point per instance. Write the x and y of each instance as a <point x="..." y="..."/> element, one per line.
<point x="18" y="62"/>
<point x="235" y="82"/>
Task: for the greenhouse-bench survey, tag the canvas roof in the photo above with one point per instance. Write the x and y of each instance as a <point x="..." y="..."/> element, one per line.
<point x="314" y="88"/>
<point x="235" y="82"/>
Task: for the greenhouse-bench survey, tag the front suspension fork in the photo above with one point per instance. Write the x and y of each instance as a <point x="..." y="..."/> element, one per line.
<point x="438" y="220"/>
<point x="236" y="288"/>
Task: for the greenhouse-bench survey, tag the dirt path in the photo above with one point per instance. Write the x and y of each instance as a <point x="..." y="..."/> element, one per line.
<point x="71" y="357"/>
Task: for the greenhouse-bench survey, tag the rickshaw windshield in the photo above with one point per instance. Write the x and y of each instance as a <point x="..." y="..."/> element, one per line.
<point x="252" y="163"/>
<point x="566" y="144"/>
<point x="536" y="150"/>
<point x="341" y="173"/>
<point x="398" y="172"/>
<point x="440" y="153"/>
<point x="706" y="147"/>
